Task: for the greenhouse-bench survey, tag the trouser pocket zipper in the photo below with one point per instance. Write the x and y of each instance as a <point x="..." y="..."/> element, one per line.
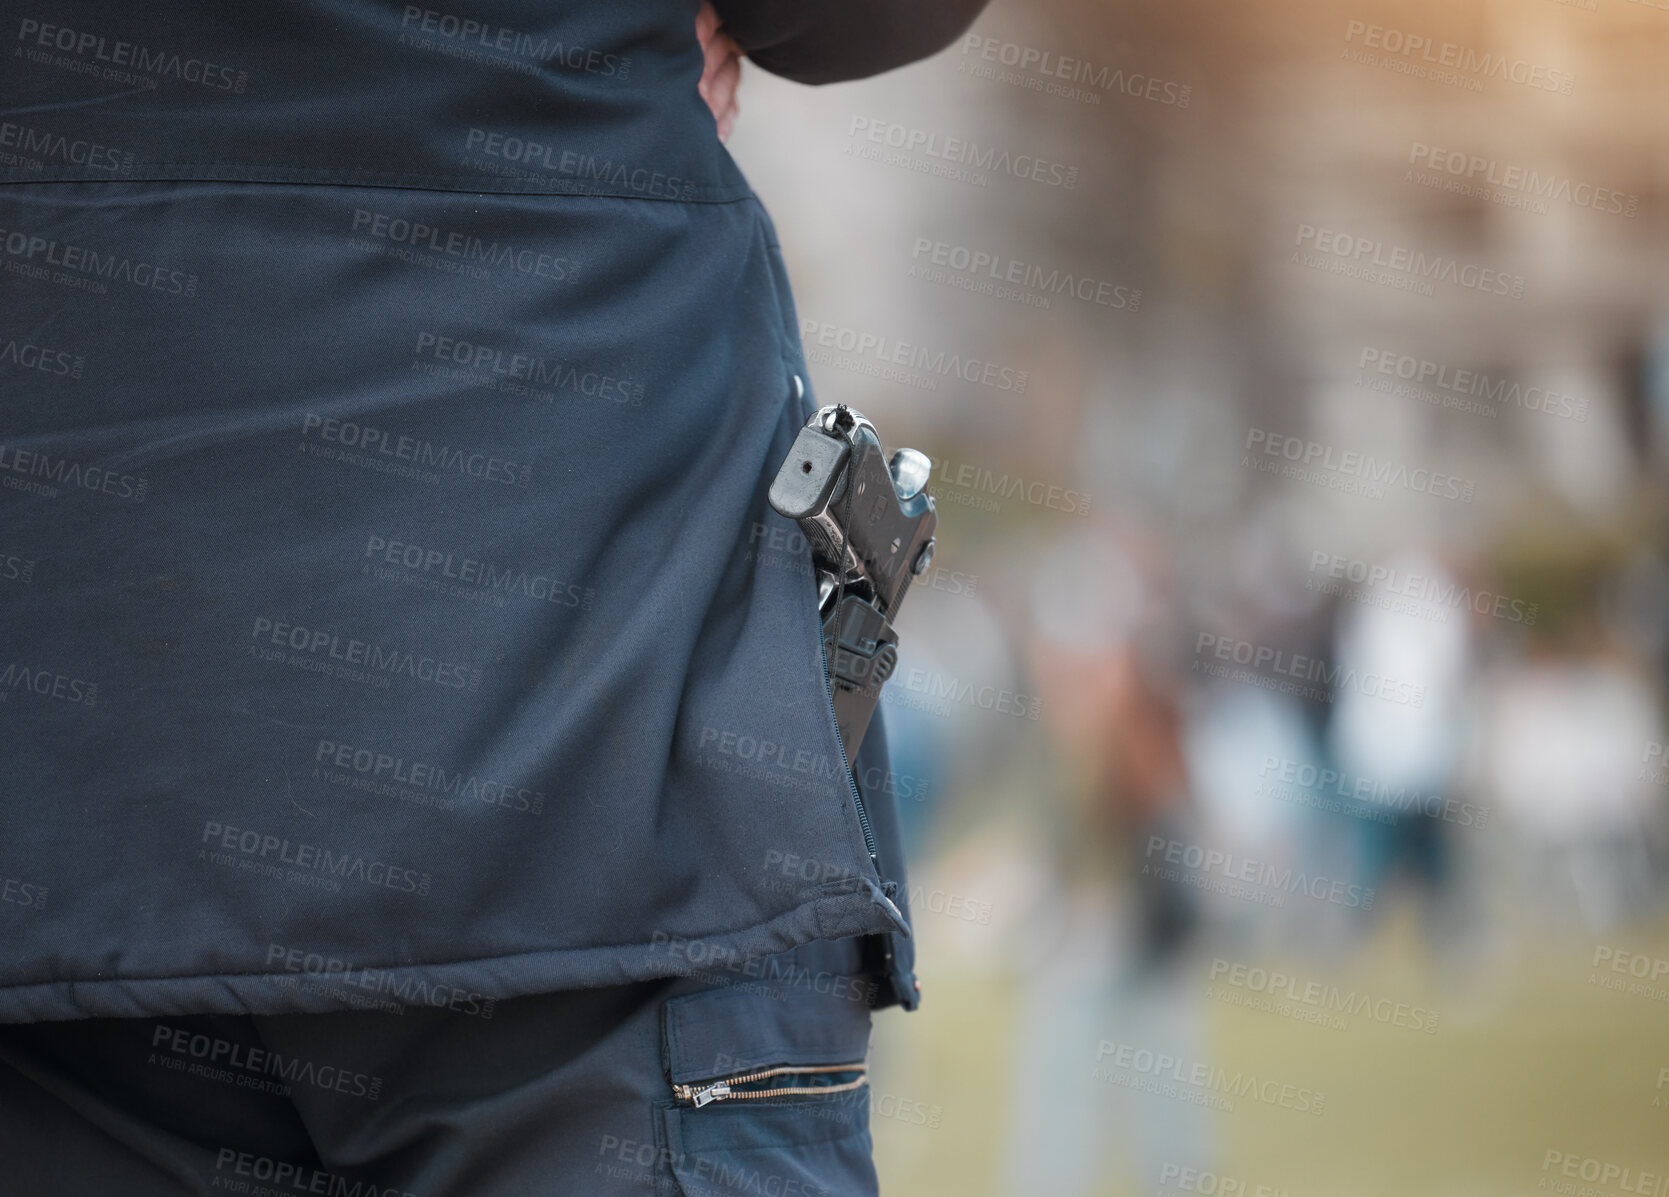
<point x="814" y="1080"/>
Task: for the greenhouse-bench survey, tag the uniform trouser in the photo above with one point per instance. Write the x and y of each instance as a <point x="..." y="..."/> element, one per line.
<point x="568" y="1093"/>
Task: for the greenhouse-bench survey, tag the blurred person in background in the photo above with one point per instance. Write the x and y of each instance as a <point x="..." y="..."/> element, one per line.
<point x="1398" y="721"/>
<point x="1570" y="728"/>
<point x="1100" y="603"/>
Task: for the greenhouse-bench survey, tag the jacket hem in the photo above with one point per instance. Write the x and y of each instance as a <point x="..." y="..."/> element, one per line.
<point x="470" y="184"/>
<point x="465" y="986"/>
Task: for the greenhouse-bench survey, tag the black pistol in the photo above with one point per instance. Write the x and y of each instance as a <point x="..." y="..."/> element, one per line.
<point x="870" y="523"/>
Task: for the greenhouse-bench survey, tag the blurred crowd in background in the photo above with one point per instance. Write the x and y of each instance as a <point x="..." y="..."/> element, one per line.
<point x="1281" y="732"/>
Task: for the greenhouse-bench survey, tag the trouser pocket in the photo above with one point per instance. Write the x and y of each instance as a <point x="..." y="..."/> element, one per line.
<point x="766" y="1093"/>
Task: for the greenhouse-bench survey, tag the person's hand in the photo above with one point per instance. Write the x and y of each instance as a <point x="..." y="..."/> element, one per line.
<point x="722" y="71"/>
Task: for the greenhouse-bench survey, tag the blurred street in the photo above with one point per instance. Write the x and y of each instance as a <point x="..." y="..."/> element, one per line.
<point x="1281" y="728"/>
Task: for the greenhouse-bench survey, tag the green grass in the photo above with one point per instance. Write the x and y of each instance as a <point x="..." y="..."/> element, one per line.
<point x="1529" y="1057"/>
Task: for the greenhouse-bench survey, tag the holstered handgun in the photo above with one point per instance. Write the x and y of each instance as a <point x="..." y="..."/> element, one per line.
<point x="870" y="523"/>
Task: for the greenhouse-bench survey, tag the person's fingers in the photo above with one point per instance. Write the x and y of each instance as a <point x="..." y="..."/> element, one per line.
<point x="721" y="92"/>
<point x="721" y="69"/>
<point x="716" y="53"/>
<point x="727" y="121"/>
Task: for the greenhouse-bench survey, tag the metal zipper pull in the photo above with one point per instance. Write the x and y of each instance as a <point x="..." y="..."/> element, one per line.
<point x="703" y="1094"/>
<point x="711" y="1093"/>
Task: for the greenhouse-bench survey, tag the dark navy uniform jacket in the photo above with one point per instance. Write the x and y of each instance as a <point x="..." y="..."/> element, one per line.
<point x="389" y="602"/>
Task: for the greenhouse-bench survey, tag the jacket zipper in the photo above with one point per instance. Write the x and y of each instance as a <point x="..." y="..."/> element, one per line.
<point x="722" y="1090"/>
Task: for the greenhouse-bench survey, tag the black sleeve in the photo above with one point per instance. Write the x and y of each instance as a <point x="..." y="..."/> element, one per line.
<point x="828" y="41"/>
